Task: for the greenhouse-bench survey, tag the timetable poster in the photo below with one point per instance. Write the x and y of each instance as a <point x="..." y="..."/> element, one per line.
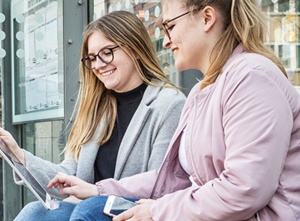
<point x="37" y="76"/>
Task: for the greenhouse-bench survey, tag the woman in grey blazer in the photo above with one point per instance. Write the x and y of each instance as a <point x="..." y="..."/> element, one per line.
<point x="127" y="112"/>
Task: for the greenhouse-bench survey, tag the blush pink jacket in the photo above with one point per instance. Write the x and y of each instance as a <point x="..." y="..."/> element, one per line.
<point x="242" y="146"/>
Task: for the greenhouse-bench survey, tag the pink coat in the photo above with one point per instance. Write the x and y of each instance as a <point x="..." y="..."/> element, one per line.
<point x="243" y="149"/>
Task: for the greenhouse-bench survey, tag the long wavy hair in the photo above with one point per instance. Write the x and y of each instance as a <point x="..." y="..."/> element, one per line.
<point x="96" y="103"/>
<point x="244" y="23"/>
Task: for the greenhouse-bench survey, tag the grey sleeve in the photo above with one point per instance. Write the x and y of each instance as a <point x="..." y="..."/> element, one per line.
<point x="44" y="171"/>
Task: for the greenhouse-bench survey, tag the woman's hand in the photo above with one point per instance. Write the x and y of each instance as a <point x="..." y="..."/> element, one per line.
<point x="72" y="199"/>
<point x="9" y="145"/>
<point x="74" y="186"/>
<point x="139" y="212"/>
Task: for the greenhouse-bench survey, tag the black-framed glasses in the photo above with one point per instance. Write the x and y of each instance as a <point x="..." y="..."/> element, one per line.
<point x="166" y="26"/>
<point x="106" y="55"/>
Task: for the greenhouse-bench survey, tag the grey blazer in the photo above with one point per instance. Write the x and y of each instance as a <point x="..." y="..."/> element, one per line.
<point x="142" y="148"/>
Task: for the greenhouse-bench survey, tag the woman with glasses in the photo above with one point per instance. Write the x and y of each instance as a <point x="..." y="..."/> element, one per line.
<point x="127" y="112"/>
<point x="236" y="152"/>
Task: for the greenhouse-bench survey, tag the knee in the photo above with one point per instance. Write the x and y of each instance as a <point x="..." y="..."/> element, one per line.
<point x="29" y="211"/>
<point x="36" y="211"/>
<point x="90" y="209"/>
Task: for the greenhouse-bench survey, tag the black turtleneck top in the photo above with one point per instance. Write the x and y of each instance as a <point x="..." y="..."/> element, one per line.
<point x="127" y="103"/>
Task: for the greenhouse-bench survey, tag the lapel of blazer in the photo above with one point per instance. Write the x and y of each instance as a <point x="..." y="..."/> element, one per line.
<point x="87" y="157"/>
<point x="134" y="128"/>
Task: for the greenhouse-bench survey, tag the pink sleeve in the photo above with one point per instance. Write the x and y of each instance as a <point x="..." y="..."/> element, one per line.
<point x="137" y="186"/>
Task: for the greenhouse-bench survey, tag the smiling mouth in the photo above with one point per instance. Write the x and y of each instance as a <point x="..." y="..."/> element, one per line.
<point x="106" y="73"/>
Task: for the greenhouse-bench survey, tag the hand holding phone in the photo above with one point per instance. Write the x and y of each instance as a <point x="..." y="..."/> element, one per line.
<point x="116" y="205"/>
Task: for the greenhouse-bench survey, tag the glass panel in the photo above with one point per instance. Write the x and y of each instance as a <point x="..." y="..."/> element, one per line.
<point x="2" y="55"/>
<point x="36" y="32"/>
<point x="284" y="30"/>
<point x="148" y="12"/>
<point x="45" y="140"/>
<point x="283" y="5"/>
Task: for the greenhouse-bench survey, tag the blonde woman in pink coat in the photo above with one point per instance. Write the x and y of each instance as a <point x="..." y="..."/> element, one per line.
<point x="236" y="152"/>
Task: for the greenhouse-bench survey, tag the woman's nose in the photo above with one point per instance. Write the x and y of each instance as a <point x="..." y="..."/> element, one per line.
<point x="166" y="42"/>
<point x="99" y="64"/>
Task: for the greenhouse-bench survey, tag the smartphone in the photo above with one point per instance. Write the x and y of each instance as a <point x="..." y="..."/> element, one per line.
<point x="116" y="205"/>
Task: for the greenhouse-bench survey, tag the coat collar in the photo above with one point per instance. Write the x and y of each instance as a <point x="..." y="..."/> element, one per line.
<point x="89" y="151"/>
<point x="135" y="127"/>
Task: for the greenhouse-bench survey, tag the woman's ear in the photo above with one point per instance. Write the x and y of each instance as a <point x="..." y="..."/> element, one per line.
<point x="209" y="15"/>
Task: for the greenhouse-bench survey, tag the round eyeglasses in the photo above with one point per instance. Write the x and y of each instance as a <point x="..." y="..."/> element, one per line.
<point x="166" y="26"/>
<point x="106" y="55"/>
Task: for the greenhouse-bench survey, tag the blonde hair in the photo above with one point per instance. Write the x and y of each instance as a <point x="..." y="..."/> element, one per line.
<point x="243" y="23"/>
<point x="95" y="102"/>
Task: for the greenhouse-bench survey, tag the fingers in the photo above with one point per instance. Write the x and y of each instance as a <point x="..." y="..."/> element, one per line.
<point x="67" y="190"/>
<point x="139" y="212"/>
<point x="2" y="131"/>
<point x="60" y="180"/>
<point x="72" y="199"/>
<point x="63" y="181"/>
<point x="124" y="216"/>
<point x="8" y="143"/>
<point x="141" y="201"/>
<point x="2" y="143"/>
<point x="73" y="186"/>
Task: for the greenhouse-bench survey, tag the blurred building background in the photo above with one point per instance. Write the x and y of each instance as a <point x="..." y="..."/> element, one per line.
<point x="39" y="55"/>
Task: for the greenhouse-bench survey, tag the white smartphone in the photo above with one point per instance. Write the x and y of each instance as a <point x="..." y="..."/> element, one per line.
<point x="116" y="205"/>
